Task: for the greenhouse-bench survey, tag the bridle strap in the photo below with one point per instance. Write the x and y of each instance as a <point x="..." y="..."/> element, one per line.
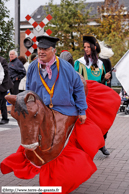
<point x="39" y="157"/>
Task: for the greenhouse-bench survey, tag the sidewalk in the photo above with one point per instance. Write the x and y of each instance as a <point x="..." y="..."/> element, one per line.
<point x="112" y="176"/>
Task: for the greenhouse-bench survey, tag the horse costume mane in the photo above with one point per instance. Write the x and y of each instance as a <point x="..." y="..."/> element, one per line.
<point x="42" y="134"/>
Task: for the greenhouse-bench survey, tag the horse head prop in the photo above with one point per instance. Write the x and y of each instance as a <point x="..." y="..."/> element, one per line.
<point x="44" y="132"/>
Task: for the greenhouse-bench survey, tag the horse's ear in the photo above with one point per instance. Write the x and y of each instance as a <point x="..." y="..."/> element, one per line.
<point x="30" y="97"/>
<point x="11" y="99"/>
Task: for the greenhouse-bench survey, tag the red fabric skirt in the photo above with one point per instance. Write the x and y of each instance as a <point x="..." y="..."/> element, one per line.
<point x="75" y="163"/>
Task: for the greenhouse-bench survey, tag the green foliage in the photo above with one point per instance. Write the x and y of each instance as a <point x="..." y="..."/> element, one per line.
<point x="113" y="28"/>
<point x="118" y="46"/>
<point x="6" y="31"/>
<point x="67" y="24"/>
<point x="70" y="23"/>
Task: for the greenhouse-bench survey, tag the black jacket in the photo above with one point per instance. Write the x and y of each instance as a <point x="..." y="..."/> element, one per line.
<point x="6" y="84"/>
<point x="108" y="67"/>
<point x="16" y="69"/>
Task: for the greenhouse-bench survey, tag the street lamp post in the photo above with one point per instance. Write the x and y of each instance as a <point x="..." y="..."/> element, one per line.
<point x="17" y="25"/>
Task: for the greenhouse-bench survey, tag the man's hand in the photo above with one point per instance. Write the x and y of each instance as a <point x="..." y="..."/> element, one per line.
<point x="82" y="118"/>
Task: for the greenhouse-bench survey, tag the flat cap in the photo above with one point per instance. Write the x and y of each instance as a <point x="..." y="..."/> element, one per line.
<point x="46" y="41"/>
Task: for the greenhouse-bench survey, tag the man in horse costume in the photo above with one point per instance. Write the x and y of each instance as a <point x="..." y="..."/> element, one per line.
<point x="59" y="136"/>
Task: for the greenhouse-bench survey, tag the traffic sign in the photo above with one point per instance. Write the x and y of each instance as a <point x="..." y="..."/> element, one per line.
<point x="38" y="29"/>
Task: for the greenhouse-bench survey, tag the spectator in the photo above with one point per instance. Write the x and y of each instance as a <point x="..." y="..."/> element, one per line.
<point x="67" y="56"/>
<point x="22" y="85"/>
<point x="124" y="97"/>
<point x="16" y="71"/>
<point x="5" y="84"/>
<point x="105" y="55"/>
<point x="33" y="57"/>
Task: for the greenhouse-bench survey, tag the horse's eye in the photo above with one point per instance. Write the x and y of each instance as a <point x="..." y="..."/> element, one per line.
<point x="35" y="114"/>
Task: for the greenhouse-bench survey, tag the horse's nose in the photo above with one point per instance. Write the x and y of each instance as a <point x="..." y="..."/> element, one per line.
<point x="30" y="146"/>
